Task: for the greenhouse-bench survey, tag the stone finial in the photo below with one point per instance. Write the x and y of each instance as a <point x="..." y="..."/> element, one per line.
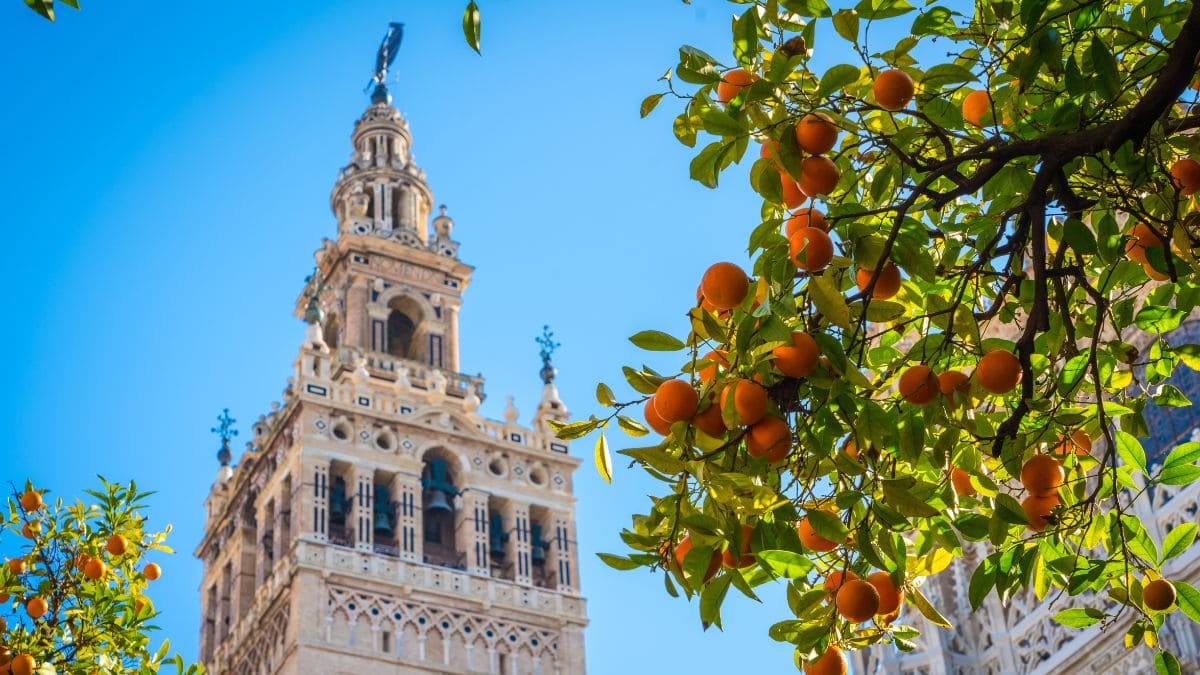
<point x="510" y="411"/>
<point x="225" y="431"/>
<point x="471" y="401"/>
<point x="548" y="344"/>
<point x="435" y="386"/>
<point x="360" y="376"/>
<point x="402" y="385"/>
<point x="443" y="225"/>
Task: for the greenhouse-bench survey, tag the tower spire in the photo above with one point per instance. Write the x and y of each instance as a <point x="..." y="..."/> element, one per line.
<point x="548" y="344"/>
<point x="384" y="59"/>
<point x="225" y="432"/>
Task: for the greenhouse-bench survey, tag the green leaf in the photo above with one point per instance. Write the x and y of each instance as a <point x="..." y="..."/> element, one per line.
<point x="604" y="395"/>
<point x="618" y="562"/>
<point x="706" y="166"/>
<point x="829" y="301"/>
<point x="1009" y="509"/>
<point x="631" y="426"/>
<point x="650" y="103"/>
<point x="928" y="610"/>
<point x="603" y="459"/>
<point x="1108" y="79"/>
<point x="1159" y="319"/>
<point x="883" y="9"/>
<point x="1190" y="355"/>
<point x="745" y="37"/>
<point x="720" y="123"/>
<point x="828" y="525"/>
<point x="471" y="25"/>
<point x="809" y="8"/>
<point x="982" y="581"/>
<point x="1183" y="474"/>
<point x="935" y="21"/>
<point x="43" y="7"/>
<point x="946" y="73"/>
<point x="1079" y="617"/>
<point x="1079" y="237"/>
<point x="1178" y="540"/>
<point x="1031" y="11"/>
<point x="845" y="22"/>
<point x="1130" y="450"/>
<point x="1185" y="453"/>
<point x="573" y="430"/>
<point x="1169" y="396"/>
<point x="656" y="341"/>
<point x="837" y="78"/>
<point x="786" y="564"/>
<point x="1165" y="663"/>
<point x="906" y="502"/>
<point x="1188" y="599"/>
<point x="711" y="598"/>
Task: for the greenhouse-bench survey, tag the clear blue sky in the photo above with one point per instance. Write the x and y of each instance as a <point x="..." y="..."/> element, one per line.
<point x="166" y="174"/>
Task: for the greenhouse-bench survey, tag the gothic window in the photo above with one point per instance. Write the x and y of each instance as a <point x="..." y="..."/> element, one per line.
<point x="400" y="329"/>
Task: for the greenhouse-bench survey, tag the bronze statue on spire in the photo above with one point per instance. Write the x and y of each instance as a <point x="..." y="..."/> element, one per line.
<point x="384" y="59"/>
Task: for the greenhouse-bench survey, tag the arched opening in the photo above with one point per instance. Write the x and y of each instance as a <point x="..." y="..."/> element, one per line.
<point x="397" y="207"/>
<point x="370" y="193"/>
<point x="542" y="571"/>
<point x="499" y="562"/>
<point x="400" y="331"/>
<point x="340" y="503"/>
<point x="439" y="488"/>
<point x="332" y="331"/>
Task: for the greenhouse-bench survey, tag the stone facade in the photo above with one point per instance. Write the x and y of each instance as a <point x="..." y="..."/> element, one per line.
<point x="376" y="522"/>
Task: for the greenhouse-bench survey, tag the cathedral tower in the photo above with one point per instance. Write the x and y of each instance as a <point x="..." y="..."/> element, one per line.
<point x="376" y="522"/>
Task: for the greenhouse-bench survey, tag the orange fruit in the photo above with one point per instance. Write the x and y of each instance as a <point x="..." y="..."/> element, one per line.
<point x="714" y="361"/>
<point x="886" y="286"/>
<point x="1042" y="475"/>
<point x="811" y="540"/>
<point x="675" y="400"/>
<point x="770" y="437"/>
<point x="749" y="400"/>
<point x="94" y="569"/>
<point x="798" y="359"/>
<point x="893" y="89"/>
<point x="16" y="565"/>
<point x="857" y="600"/>
<point x="1158" y="595"/>
<point x="802" y="218"/>
<point x="685" y="546"/>
<point x="962" y="482"/>
<point x="793" y="196"/>
<point x="116" y="545"/>
<point x="1143" y="238"/>
<point x="954" y="382"/>
<point x="31" y="530"/>
<point x="732" y="84"/>
<point x="31" y="501"/>
<point x="818" y="176"/>
<point x="658" y="424"/>
<point x="816" y="133"/>
<point x="23" y="664"/>
<point x="1186" y="175"/>
<point x="725" y="285"/>
<point x="851" y="449"/>
<point x="811" y="249"/>
<point x="1079" y="443"/>
<point x="998" y="371"/>
<point x="919" y="385"/>
<point x="835" y="580"/>
<point x="890" y="597"/>
<point x="1153" y="273"/>
<point x="832" y="662"/>
<point x="1037" y="509"/>
<point x="743" y="558"/>
<point x="975" y="106"/>
<point x="709" y="421"/>
<point x="36" y="607"/>
<point x="770" y="150"/>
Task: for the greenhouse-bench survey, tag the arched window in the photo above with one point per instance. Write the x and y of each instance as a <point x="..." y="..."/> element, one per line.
<point x="400" y="329"/>
<point x="438" y="513"/>
<point x="331" y="333"/>
<point x="397" y="207"/>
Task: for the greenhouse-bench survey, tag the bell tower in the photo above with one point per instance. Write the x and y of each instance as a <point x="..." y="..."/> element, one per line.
<point x="376" y="522"/>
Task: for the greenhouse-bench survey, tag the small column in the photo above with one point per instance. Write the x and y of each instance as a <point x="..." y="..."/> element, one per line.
<point x="562" y="554"/>
<point x="406" y="489"/>
<point x="450" y="348"/>
<point x="364" y="508"/>
<point x="314" y="500"/>
<point x="471" y="530"/>
<point x="356" y="315"/>
<point x="518" y="549"/>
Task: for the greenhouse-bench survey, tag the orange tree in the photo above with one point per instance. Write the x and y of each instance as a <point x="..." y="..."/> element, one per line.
<point x="966" y="273"/>
<point x="74" y="589"/>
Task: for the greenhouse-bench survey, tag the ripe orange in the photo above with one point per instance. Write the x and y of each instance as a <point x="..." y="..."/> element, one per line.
<point x="811" y="249"/>
<point x="1037" y="509"/>
<point x="952" y="383"/>
<point x="743" y="558"/>
<point x="975" y="106"/>
<point x="798" y="359"/>
<point x="1186" y="175"/>
<point x="31" y="500"/>
<point x="816" y="133"/>
<point x="998" y="371"/>
<point x="835" y="580"/>
<point x="770" y="437"/>
<point x="793" y="196"/>
<point x="81" y="561"/>
<point x="685" y="546"/>
<point x="725" y="285"/>
<point x="732" y="84"/>
<point x="890" y="597"/>
<point x="811" y="540"/>
<point x="714" y="361"/>
<point x="893" y="89"/>
<point x="1143" y="238"/>
<point x="16" y="565"/>
<point x="832" y="662"/>
<point x="709" y="421"/>
<point x="1158" y="595"/>
<point x="1078" y="442"/>
<point x="818" y="176"/>
<point x="1042" y="475"/>
<point x="94" y="569"/>
<point x="857" y="600"/>
<point x="1153" y="273"/>
<point x="962" y="482"/>
<point x="675" y="400"/>
<point x="806" y="217"/>
<point x="36" y="607"/>
<point x="31" y="530"/>
<point x="116" y="545"/>
<point x="749" y="400"/>
<point x="886" y="286"/>
<point x="23" y="664"/>
<point x="919" y="385"/>
<point x="770" y="150"/>
<point x="658" y="424"/>
<point x="851" y="449"/>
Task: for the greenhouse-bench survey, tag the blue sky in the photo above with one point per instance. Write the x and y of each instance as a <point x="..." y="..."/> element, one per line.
<point x="166" y="178"/>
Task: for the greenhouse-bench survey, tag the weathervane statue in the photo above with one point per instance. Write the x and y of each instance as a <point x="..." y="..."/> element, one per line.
<point x="384" y="59"/>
